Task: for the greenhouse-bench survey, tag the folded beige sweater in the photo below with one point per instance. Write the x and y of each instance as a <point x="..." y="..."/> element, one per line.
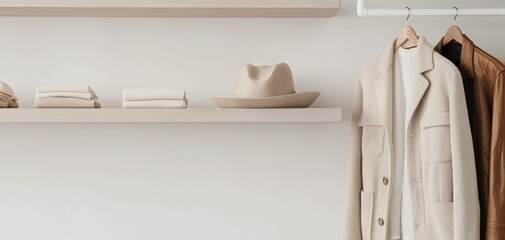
<point x="5" y="95"/>
<point x="8" y="104"/>
<point x="53" y="102"/>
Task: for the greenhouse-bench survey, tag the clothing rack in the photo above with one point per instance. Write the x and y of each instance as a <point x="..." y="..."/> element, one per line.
<point x="363" y="11"/>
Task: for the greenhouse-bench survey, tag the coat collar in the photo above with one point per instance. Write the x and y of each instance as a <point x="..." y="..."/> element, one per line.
<point x="466" y="59"/>
<point x="384" y="85"/>
<point x="425" y="57"/>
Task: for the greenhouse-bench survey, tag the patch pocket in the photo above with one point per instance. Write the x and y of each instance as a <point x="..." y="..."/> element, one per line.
<point x="441" y="225"/>
<point x="436" y="137"/>
<point x="372" y="139"/>
<point x="440" y="183"/>
<point x="366" y="214"/>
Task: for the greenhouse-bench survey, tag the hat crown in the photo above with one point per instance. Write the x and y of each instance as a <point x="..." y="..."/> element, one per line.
<point x="265" y="81"/>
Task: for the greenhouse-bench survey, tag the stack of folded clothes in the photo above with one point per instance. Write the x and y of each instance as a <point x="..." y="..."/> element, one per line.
<point x="65" y="97"/>
<point x="7" y="97"/>
<point x="154" y="98"/>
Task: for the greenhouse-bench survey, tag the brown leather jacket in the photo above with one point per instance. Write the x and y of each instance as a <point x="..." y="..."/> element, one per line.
<point x="484" y="83"/>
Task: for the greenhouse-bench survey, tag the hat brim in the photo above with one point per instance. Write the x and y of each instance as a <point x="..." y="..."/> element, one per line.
<point x="296" y="100"/>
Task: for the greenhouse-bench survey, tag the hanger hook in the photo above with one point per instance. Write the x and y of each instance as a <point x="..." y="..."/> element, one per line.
<point x="408" y="16"/>
<point x="456" y="16"/>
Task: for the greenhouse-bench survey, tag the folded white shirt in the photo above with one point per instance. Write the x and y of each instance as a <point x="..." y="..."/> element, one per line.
<point x="85" y="96"/>
<point x="153" y="94"/>
<point x="156" y="104"/>
<point x="77" y="89"/>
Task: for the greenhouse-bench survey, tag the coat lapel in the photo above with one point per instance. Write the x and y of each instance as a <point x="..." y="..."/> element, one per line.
<point x="424" y="63"/>
<point x="384" y="85"/>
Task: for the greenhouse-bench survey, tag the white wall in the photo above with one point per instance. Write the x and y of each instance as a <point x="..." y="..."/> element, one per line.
<point x="189" y="181"/>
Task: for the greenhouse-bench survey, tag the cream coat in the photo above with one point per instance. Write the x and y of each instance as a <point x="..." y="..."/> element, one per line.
<point x="443" y="183"/>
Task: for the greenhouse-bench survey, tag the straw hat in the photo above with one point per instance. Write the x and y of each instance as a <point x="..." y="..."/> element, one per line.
<point x="266" y="87"/>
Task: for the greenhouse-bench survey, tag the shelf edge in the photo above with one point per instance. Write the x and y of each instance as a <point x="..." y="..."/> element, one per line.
<point x="192" y="115"/>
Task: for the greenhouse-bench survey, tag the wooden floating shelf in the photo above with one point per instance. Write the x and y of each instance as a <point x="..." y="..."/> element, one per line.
<point x="170" y="8"/>
<point x="189" y="115"/>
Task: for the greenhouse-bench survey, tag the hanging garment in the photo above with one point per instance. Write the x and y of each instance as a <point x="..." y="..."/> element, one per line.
<point x="438" y="149"/>
<point x="484" y="83"/>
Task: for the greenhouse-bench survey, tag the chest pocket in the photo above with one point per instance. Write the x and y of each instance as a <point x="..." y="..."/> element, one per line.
<point x="435" y="137"/>
<point x="372" y="138"/>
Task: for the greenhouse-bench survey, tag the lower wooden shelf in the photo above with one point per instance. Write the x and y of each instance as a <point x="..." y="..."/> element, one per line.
<point x="189" y="115"/>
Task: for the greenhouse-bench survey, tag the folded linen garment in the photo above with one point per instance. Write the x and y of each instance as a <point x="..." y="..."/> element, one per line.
<point x="8" y="104"/>
<point x="5" y="96"/>
<point x="85" y="96"/>
<point x="5" y="88"/>
<point x="78" y="89"/>
<point x="153" y="94"/>
<point x="156" y="104"/>
<point x="4" y="104"/>
<point x="6" y="92"/>
<point x="53" y="102"/>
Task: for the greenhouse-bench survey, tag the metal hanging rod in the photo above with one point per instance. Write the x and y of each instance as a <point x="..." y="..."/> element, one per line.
<point x="363" y="11"/>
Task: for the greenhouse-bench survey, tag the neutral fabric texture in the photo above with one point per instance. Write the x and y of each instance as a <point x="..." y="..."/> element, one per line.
<point x="405" y="67"/>
<point x="405" y="74"/>
<point x="66" y="97"/>
<point x="441" y="167"/>
<point x="12" y="104"/>
<point x="4" y="104"/>
<point x="140" y="94"/>
<point x="395" y="226"/>
<point x="85" y="96"/>
<point x="266" y="87"/>
<point x="65" y="103"/>
<point x="5" y="96"/>
<point x="484" y="82"/>
<point x="5" y="88"/>
<point x="77" y="89"/>
<point x="155" y="104"/>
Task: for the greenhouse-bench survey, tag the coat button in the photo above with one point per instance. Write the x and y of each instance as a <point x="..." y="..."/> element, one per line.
<point x="385" y="180"/>
<point x="411" y="134"/>
<point x="381" y="221"/>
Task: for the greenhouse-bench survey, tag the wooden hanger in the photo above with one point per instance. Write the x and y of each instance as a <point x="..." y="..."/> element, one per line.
<point x="407" y="37"/>
<point x="453" y="33"/>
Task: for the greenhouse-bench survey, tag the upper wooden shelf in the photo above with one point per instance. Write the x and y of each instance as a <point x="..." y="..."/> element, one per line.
<point x="170" y="8"/>
<point x="189" y="115"/>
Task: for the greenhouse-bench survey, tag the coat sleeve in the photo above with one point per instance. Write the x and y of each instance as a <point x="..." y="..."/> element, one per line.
<point x="466" y="200"/>
<point x="352" y="203"/>
<point x="496" y="215"/>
